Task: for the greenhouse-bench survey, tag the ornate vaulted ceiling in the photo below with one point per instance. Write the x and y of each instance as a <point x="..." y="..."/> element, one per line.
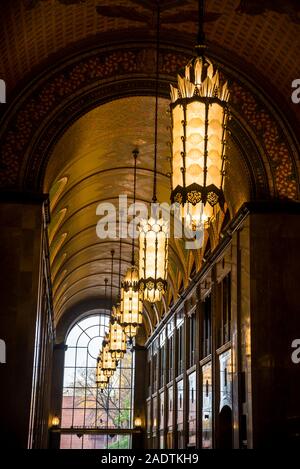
<point x="93" y="164"/>
<point x="262" y="33"/>
<point x="92" y="161"/>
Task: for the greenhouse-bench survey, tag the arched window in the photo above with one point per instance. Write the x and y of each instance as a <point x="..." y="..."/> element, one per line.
<point x="87" y="412"/>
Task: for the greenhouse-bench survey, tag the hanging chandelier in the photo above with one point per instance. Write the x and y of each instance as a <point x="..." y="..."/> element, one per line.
<point x="199" y="110"/>
<point x="153" y="236"/>
<point x="108" y="363"/>
<point x="131" y="303"/>
<point x="117" y="343"/>
<point x="131" y="306"/>
<point x="153" y="258"/>
<point x="101" y="380"/>
<point x="117" y="336"/>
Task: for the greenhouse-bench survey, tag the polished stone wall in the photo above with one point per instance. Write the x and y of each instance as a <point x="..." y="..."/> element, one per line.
<point x="20" y="254"/>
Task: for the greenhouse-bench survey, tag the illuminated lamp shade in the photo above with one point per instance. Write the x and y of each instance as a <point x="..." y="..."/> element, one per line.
<point x="117" y="337"/>
<point x="116" y="313"/>
<point x="55" y="421"/>
<point x="138" y="422"/>
<point x="199" y="109"/>
<point x="101" y="379"/>
<point x="131" y="303"/>
<point x="109" y="364"/>
<point x="153" y="258"/>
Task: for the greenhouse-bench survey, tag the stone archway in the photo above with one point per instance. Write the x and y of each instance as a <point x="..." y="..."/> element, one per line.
<point x="58" y="97"/>
<point x="265" y="148"/>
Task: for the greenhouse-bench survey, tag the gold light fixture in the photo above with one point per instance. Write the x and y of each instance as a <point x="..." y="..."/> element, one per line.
<point x="131" y="306"/>
<point x="138" y="422"/>
<point x="117" y="336"/>
<point x="55" y="421"/>
<point x="199" y="109"/>
<point x="131" y="303"/>
<point x="153" y="237"/>
<point x="153" y="258"/>
<point x="101" y="380"/>
<point x="108" y="363"/>
<point x="117" y="344"/>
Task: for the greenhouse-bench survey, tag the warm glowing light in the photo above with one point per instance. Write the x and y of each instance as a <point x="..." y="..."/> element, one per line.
<point x="55" y="421"/>
<point x="199" y="118"/>
<point x="131" y="303"/>
<point x="102" y="386"/>
<point x="108" y="363"/>
<point x="116" y="312"/>
<point x="137" y="422"/>
<point x="101" y="379"/>
<point x="153" y="258"/>
<point x="117" y="340"/>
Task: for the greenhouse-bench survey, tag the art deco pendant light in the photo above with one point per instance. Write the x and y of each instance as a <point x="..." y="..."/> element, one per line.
<point x="117" y="336"/>
<point x="101" y="379"/>
<point x="131" y="297"/>
<point x="153" y="237"/>
<point x="108" y="363"/>
<point x="199" y="110"/>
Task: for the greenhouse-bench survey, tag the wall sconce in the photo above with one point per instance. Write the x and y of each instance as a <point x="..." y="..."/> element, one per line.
<point x="55" y="421"/>
<point x="138" y="422"/>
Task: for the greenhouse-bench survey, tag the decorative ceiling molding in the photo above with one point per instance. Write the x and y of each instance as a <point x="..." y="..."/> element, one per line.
<point x="41" y="116"/>
<point x="260" y="31"/>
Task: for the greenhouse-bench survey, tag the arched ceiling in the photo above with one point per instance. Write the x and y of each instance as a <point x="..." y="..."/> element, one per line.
<point x="91" y="164"/>
<point x="262" y="33"/>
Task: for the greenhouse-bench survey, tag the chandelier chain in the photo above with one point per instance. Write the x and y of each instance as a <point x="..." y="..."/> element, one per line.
<point x="105" y="292"/>
<point x="120" y="251"/>
<point x="135" y="155"/>
<point x="201" y="13"/>
<point x="154" y="198"/>
<point x="112" y="276"/>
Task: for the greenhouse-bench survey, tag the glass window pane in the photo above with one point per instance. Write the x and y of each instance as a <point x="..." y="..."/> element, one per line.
<point x="68" y="398"/>
<point x="69" y="377"/>
<point x="77" y="442"/>
<point x="70" y="356"/>
<point x="66" y="441"/>
<point x="94" y="441"/>
<point x="80" y="377"/>
<point x="93" y="331"/>
<point x="73" y="336"/>
<point x="78" y="418"/>
<point x="91" y="362"/>
<point x="83" y="339"/>
<point x="90" y="321"/>
<point x="180" y="402"/>
<point x="81" y="356"/>
<point x="90" y="418"/>
<point x="66" y="418"/>
<point x="84" y="404"/>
